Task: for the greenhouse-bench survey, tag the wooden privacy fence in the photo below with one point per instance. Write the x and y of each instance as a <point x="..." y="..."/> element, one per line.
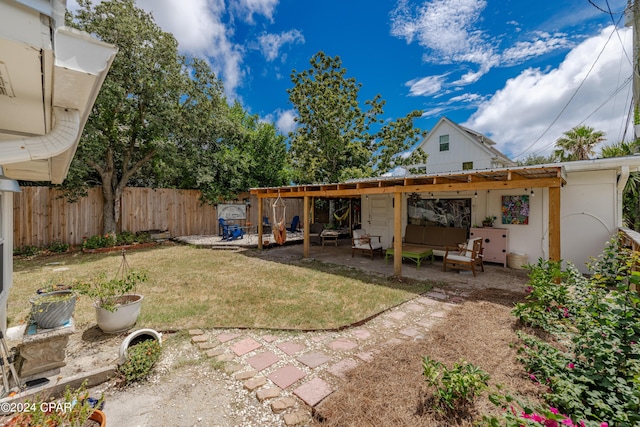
<point x="41" y="215"/>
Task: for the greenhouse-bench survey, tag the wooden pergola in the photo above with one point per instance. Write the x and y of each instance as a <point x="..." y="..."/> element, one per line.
<point x="551" y="177"/>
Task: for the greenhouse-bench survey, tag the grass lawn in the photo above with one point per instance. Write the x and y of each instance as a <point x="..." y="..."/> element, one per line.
<point x="191" y="288"/>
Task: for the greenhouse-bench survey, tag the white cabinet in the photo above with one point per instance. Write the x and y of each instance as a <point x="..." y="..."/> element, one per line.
<point x="494" y="243"/>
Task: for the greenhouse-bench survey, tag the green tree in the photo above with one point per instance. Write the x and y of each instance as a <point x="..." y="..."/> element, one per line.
<point x="137" y="109"/>
<point x="536" y="159"/>
<point x="335" y="138"/>
<point x="578" y="143"/>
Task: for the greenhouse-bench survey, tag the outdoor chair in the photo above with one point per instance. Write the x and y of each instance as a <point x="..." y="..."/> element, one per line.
<point x="315" y="233"/>
<point x="266" y="227"/>
<point x="364" y="242"/>
<point x="295" y="224"/>
<point x="465" y="256"/>
<point x="230" y="231"/>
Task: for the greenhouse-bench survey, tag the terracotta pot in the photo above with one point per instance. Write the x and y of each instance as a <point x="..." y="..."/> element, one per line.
<point x="99" y="417"/>
<point x="123" y="317"/>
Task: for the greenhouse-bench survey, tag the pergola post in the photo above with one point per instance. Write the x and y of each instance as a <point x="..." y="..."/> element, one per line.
<point x="554" y="224"/>
<point x="306" y="225"/>
<point x="260" y="203"/>
<point x="397" y="234"/>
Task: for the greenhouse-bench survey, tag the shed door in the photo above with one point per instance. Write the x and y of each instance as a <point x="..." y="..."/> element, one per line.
<point x="381" y="218"/>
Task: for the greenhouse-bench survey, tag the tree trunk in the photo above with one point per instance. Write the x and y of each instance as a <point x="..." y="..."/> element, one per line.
<point x="110" y="212"/>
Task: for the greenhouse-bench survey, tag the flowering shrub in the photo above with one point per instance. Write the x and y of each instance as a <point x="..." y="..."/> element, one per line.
<point x="141" y="358"/>
<point x="517" y="414"/>
<point x="592" y="370"/>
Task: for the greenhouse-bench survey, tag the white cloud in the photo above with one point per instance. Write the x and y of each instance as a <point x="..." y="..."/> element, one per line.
<point x="425" y="86"/>
<point x="450" y="32"/>
<point x="525" y="50"/>
<point x="248" y="8"/>
<point x="519" y="114"/>
<point x="286" y="121"/>
<point x="444" y="27"/>
<point x="270" y="44"/>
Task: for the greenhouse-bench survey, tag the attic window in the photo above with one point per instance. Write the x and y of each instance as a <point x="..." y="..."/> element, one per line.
<point x="444" y="142"/>
<point x="5" y="84"/>
<point x="467" y="166"/>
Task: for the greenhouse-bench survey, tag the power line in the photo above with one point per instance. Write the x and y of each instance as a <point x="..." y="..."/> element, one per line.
<point x="571" y="98"/>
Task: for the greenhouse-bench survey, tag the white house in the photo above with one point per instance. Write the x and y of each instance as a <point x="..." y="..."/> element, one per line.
<point x="50" y="76"/>
<point x="452" y="147"/>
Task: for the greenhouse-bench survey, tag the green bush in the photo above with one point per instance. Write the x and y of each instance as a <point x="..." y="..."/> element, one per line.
<point x="455" y="388"/>
<point x="58" y="247"/>
<point x="141" y="358"/>
<point x="26" y="250"/>
<point x="98" y="241"/>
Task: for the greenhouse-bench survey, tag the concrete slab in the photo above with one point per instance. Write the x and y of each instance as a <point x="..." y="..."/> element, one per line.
<point x="227" y="337"/>
<point x="286" y="376"/>
<point x="313" y="359"/>
<point x="290" y="347"/>
<point x="245" y="346"/>
<point x="342" y="367"/>
<point x="263" y="360"/>
<point x="342" y="344"/>
<point x="313" y="392"/>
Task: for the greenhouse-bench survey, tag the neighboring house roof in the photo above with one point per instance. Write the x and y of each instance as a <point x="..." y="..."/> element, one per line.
<point x="482" y="142"/>
<point x="485" y="142"/>
<point x="50" y="76"/>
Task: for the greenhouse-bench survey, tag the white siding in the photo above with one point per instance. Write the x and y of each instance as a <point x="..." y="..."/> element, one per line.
<point x="461" y="149"/>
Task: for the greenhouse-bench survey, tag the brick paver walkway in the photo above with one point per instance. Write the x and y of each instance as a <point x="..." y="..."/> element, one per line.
<point x="295" y="371"/>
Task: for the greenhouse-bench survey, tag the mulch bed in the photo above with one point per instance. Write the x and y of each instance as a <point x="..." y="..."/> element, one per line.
<point x="391" y="391"/>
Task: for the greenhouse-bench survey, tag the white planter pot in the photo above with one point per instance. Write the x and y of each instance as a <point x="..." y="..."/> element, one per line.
<point x="135" y="337"/>
<point x="123" y="318"/>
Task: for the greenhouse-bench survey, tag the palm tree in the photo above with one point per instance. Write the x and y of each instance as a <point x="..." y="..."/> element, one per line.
<point x="578" y="143"/>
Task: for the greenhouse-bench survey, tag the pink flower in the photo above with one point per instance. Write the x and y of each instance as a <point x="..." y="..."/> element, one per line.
<point x="568" y="422"/>
<point x="538" y="418"/>
<point x="570" y="365"/>
<point x="533" y="377"/>
<point x="555" y="410"/>
<point x="603" y="424"/>
<point x="551" y="423"/>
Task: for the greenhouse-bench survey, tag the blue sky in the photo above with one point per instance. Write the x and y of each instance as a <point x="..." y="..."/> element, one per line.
<point x="521" y="72"/>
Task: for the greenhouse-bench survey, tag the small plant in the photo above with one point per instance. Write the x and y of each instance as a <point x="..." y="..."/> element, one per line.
<point x="141" y="358"/>
<point x="107" y="292"/>
<point x="58" y="247"/>
<point x="27" y="251"/>
<point x="456" y="388"/>
<point x="98" y="241"/>
<point x="488" y="221"/>
<point x="73" y="409"/>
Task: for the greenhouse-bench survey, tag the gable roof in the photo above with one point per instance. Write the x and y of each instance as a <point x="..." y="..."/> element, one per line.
<point x="480" y="140"/>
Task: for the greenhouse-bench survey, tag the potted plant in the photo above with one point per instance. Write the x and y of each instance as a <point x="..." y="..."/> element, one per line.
<point x="488" y="221"/>
<point x="75" y="408"/>
<point x="52" y="309"/>
<point x="116" y="303"/>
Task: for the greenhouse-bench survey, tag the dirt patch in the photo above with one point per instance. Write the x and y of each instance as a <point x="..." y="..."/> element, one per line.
<point x="391" y="389"/>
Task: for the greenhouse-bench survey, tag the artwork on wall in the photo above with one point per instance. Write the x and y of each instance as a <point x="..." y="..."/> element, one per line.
<point x="442" y="212"/>
<point x="515" y="209"/>
<point x="232" y="211"/>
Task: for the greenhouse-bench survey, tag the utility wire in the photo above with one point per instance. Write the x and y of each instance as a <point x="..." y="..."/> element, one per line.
<point x="572" y="96"/>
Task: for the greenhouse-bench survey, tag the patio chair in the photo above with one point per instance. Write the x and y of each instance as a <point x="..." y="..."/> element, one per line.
<point x="364" y="242"/>
<point x="230" y="231"/>
<point x="465" y="257"/>
<point x="295" y="224"/>
<point x="315" y="233"/>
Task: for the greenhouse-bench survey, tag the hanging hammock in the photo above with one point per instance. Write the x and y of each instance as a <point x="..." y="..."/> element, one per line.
<point x="342" y="216"/>
<point x="279" y="226"/>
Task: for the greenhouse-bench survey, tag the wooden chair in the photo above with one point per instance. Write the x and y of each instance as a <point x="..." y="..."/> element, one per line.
<point x="465" y="257"/>
<point x="362" y="241"/>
